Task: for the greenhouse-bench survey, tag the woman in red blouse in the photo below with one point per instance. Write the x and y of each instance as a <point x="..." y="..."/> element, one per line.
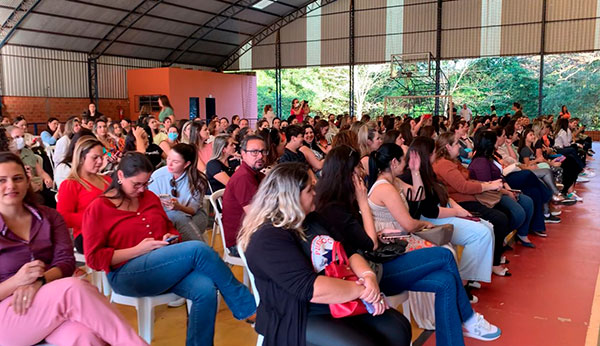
<point x="82" y="186"/>
<point x="128" y="235"/>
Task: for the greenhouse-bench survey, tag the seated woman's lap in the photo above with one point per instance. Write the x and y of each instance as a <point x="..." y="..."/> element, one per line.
<point x="157" y="271"/>
<point x="390" y="328"/>
<point x="402" y="272"/>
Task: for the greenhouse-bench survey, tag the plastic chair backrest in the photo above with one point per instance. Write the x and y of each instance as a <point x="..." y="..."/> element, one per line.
<point x="250" y="275"/>
<point x="216" y="199"/>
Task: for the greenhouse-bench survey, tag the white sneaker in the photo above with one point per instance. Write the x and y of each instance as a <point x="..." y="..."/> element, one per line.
<point x="176" y="303"/>
<point x="581" y="179"/>
<point x="481" y="329"/>
<point x="474" y="284"/>
<point x="572" y="195"/>
<point x="589" y="174"/>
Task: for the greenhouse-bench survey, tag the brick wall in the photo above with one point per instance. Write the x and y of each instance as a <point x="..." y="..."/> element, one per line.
<point x="39" y="109"/>
<point x="594" y="134"/>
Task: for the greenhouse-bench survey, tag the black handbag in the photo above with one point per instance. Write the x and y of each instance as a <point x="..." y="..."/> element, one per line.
<point x="386" y="252"/>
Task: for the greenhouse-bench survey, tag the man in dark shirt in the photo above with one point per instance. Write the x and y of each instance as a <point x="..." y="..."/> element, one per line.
<point x="241" y="188"/>
<point x="92" y="113"/>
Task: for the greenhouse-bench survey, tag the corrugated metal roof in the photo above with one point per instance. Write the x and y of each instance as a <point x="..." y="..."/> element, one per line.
<point x="209" y="32"/>
<point x="80" y="25"/>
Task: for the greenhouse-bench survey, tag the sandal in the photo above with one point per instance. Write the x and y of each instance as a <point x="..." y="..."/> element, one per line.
<point x="503" y="272"/>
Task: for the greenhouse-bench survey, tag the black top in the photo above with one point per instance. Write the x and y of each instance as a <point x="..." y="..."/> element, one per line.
<point x="214" y="167"/>
<point x="539" y="144"/>
<point x="290" y="156"/>
<point x="526" y="152"/>
<point x="346" y="227"/>
<point x="428" y="207"/>
<point x="285" y="280"/>
<point x="154" y="154"/>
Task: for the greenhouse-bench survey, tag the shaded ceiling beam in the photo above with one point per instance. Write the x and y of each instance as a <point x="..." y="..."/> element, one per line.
<point x="205" y="29"/>
<point x="15" y="19"/>
<point x="257" y="9"/>
<point x="178" y="21"/>
<point x="117" y="41"/>
<point x="122" y="26"/>
<point x="268" y="31"/>
<point x="54" y="15"/>
<point x="212" y="13"/>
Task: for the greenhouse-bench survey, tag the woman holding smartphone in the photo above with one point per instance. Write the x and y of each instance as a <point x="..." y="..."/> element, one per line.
<point x="125" y="232"/>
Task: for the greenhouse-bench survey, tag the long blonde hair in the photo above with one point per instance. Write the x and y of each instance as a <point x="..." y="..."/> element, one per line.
<point x="277" y="201"/>
<point x="82" y="148"/>
<point x="365" y="133"/>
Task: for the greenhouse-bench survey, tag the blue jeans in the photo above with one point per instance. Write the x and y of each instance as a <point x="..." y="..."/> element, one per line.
<point x="432" y="270"/>
<point x="477" y="238"/>
<point x="191" y="270"/>
<point x="520" y="212"/>
<point x="531" y="186"/>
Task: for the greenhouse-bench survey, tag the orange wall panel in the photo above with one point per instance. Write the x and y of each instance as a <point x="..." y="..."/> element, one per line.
<point x="234" y="93"/>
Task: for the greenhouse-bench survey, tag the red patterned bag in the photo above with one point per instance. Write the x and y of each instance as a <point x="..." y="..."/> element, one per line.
<point x="340" y="268"/>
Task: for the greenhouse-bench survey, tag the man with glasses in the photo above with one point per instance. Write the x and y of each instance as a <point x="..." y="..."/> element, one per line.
<point x="242" y="187"/>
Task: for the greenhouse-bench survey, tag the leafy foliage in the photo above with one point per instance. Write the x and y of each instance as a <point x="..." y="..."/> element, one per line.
<point x="572" y="79"/>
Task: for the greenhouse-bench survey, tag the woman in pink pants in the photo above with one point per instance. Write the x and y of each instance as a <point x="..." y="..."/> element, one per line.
<point x="38" y="299"/>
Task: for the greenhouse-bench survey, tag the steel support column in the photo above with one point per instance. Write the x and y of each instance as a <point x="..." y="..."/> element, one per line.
<point x="93" y="80"/>
<point x="542" y="53"/>
<point x="351" y="58"/>
<point x="438" y="57"/>
<point x="278" y="75"/>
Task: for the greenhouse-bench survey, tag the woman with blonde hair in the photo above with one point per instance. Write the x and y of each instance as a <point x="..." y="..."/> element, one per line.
<point x="82" y="186"/>
<point x="185" y="132"/>
<point x="218" y="169"/>
<point x="369" y="140"/>
<point x="72" y="126"/>
<point x="293" y="292"/>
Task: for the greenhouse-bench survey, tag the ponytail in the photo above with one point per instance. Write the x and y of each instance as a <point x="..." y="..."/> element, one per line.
<point x="380" y="160"/>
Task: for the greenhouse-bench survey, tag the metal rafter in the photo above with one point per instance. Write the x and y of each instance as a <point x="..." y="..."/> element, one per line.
<point x="275" y="26"/>
<point x="205" y="29"/>
<point x="178" y="21"/>
<point x="123" y="25"/>
<point x="15" y="19"/>
<point x="193" y="9"/>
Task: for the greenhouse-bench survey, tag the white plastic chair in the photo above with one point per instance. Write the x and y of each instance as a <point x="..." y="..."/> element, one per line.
<point x="145" y="310"/>
<point x="259" y="341"/>
<point x="98" y="279"/>
<point x="216" y="199"/>
<point x="402" y="298"/>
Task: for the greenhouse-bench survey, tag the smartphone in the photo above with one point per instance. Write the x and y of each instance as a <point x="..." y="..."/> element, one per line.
<point x="170" y="240"/>
<point x="471" y="218"/>
<point x="515" y="191"/>
<point x="369" y="306"/>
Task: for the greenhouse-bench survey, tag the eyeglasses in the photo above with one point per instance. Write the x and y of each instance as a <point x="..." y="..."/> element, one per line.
<point x="173" y="184"/>
<point x="256" y="152"/>
<point x="145" y="185"/>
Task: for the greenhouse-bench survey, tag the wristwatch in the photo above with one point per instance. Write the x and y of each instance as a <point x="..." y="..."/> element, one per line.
<point x="42" y="279"/>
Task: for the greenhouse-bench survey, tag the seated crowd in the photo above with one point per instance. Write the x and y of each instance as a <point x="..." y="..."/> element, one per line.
<point x="299" y="194"/>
